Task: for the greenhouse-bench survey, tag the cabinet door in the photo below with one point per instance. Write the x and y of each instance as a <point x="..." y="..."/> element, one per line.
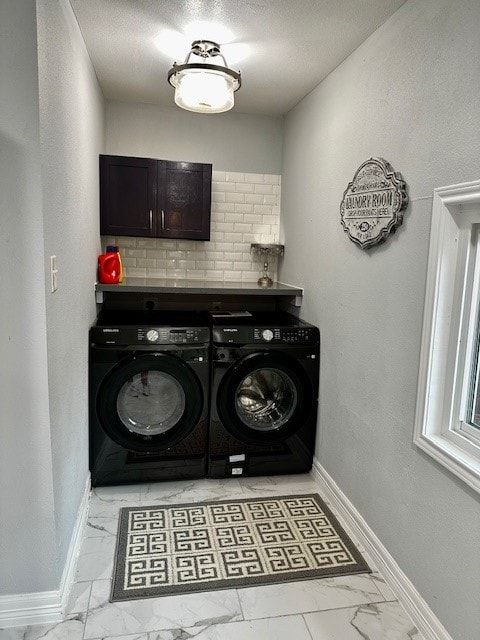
<point x="184" y="199"/>
<point x="127" y="196"/>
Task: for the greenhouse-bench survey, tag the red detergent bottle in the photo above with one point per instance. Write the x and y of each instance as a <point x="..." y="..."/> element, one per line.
<point x="116" y="250"/>
<point x="109" y="268"/>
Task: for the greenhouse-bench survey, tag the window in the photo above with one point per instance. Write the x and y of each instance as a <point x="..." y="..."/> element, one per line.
<point x="447" y="422"/>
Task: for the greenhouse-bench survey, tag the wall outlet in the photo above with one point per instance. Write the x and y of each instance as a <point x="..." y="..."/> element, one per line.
<point x="53" y="274"/>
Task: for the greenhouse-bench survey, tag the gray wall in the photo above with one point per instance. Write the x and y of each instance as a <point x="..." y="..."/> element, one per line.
<point x="49" y="205"/>
<point x="72" y="136"/>
<point x="229" y="141"/>
<point x="411" y="95"/>
<point x="26" y="514"/>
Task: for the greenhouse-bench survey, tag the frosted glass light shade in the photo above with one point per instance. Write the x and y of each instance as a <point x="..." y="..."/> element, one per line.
<point x="204" y="90"/>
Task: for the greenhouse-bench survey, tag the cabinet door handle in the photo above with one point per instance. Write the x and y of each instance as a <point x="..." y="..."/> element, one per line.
<point x="163" y="219"/>
<point x="150" y="219"/>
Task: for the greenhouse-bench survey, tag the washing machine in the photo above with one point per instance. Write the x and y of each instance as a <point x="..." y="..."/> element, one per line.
<point x="264" y="395"/>
<point x="149" y="396"/>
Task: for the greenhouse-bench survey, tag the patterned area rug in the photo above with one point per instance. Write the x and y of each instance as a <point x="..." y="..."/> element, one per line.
<point x="163" y="550"/>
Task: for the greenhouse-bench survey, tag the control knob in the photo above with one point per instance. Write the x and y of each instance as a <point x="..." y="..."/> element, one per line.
<point x="267" y="335"/>
<point x="152" y="335"/>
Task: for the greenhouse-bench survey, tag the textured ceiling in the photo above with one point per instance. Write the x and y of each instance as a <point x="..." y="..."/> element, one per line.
<point x="282" y="48"/>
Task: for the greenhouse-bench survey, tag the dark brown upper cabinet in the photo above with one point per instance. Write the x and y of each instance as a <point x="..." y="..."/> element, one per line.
<point x="155" y="198"/>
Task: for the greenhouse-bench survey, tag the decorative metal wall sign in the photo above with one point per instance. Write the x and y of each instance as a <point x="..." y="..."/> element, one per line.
<point x="373" y="203"/>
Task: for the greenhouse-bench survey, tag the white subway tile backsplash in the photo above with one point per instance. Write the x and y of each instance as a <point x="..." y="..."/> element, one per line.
<point x="269" y="219"/>
<point x="254" y="198"/>
<point x="269" y="199"/>
<point x="252" y="218"/>
<point x="235" y="217"/>
<point x="267" y="239"/>
<point x="245" y="187"/>
<point x="146" y="262"/>
<point x="176" y="273"/>
<point x="185" y="264"/>
<point x="255" y="177"/>
<point x="241" y="247"/>
<point x="223" y="265"/>
<point x="241" y="207"/>
<point x="223" y="246"/>
<point x="233" y="276"/>
<point x="163" y="244"/>
<point x="212" y="274"/>
<point x="161" y="264"/>
<point x="157" y="254"/>
<point x="240" y="227"/>
<point x="216" y="255"/>
<point x="225" y="187"/>
<point x="234" y="197"/>
<point x="146" y="243"/>
<point x="264" y="188"/>
<point x="233" y="176"/>
<point x="245" y="209"/>
<point x="195" y="274"/>
<point x="196" y="255"/>
<point x="136" y="272"/>
<point x="271" y="179"/>
<point x="242" y="266"/>
<point x="199" y="245"/>
<point x="135" y="253"/>
<point x="262" y="229"/>
<point x="263" y="209"/>
<point x="226" y="226"/>
<point x="206" y="265"/>
<point x="126" y="243"/>
<point x="156" y="273"/>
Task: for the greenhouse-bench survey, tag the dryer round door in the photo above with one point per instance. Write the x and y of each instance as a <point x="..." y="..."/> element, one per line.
<point x="150" y="402"/>
<point x="264" y="397"/>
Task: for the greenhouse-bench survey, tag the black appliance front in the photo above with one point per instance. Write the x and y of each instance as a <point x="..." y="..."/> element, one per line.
<point x="264" y="399"/>
<point x="149" y="388"/>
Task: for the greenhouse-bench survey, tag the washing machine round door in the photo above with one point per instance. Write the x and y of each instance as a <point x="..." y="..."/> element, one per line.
<point x="264" y="397"/>
<point x="150" y="402"/>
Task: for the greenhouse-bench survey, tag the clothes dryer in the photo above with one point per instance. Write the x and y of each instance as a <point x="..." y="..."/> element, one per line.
<point x="264" y="395"/>
<point x="149" y="395"/>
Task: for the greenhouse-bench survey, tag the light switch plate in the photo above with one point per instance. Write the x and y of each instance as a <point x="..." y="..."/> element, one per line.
<point x="53" y="274"/>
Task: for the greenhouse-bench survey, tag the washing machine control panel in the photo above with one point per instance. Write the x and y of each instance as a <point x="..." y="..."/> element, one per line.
<point x="168" y="335"/>
<point x="138" y="335"/>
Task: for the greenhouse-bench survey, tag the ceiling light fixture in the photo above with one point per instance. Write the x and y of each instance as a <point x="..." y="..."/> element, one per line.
<point x="203" y="87"/>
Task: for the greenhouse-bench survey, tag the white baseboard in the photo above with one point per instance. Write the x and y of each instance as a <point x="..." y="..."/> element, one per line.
<point x="418" y="610"/>
<point x="47" y="607"/>
<point x="68" y="574"/>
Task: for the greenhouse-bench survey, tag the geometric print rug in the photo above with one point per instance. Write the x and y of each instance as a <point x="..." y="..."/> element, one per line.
<point x="175" y="549"/>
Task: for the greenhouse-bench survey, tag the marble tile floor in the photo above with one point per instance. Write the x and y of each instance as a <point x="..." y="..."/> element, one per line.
<point x="357" y="607"/>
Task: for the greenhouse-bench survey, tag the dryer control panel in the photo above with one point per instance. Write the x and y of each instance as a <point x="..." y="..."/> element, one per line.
<point x="291" y="334"/>
<point x="265" y="335"/>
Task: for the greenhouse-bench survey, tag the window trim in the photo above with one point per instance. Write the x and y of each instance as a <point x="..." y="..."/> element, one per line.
<point x="451" y="302"/>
